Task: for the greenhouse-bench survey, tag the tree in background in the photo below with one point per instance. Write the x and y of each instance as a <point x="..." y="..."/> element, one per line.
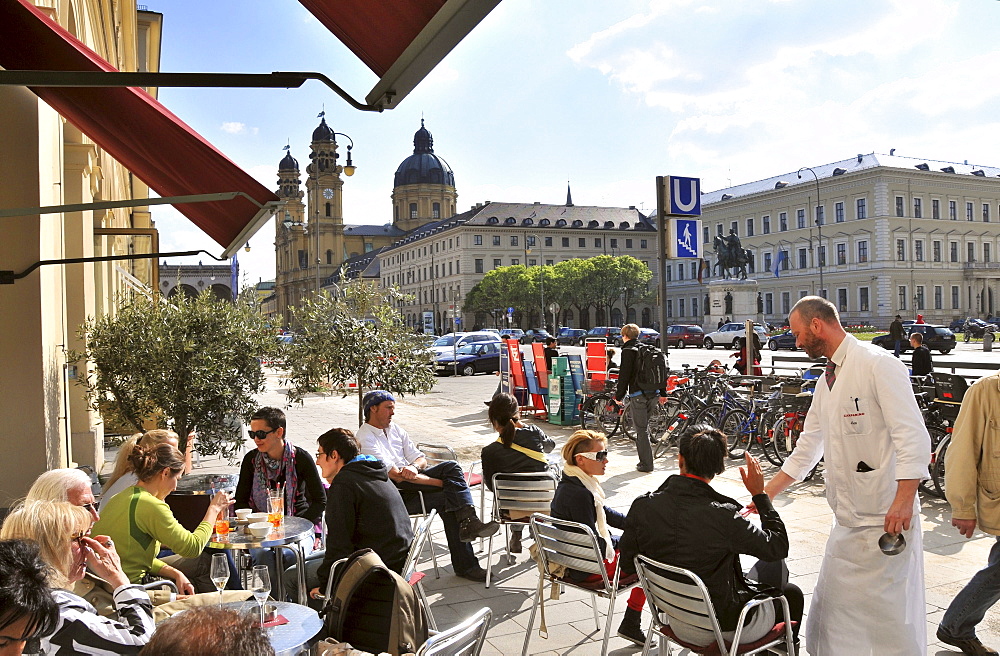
<point x="502" y="287"/>
<point x="356" y="337"/>
<point x="194" y="363"/>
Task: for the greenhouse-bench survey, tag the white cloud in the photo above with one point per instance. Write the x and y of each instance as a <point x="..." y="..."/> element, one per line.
<point x="234" y="127"/>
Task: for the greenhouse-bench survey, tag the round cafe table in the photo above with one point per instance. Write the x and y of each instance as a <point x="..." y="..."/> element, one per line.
<point x="202" y="483"/>
<point x="289" y="639"/>
<point x="293" y="530"/>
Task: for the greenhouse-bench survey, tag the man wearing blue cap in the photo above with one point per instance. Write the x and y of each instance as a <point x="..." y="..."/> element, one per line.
<point x="443" y="485"/>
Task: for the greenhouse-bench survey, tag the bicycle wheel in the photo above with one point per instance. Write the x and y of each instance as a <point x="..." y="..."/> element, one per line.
<point x="710" y="415"/>
<point x="784" y="436"/>
<point x="937" y="474"/>
<point x="599" y="413"/>
<point x="736" y="426"/>
<point x="938" y="435"/>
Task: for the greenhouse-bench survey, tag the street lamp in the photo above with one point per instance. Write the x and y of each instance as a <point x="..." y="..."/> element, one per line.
<point x="541" y="270"/>
<point x="819" y="226"/>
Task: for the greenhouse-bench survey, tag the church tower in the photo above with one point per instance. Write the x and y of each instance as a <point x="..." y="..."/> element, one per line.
<point x="324" y="190"/>
<point x="290" y="237"/>
<point x="424" y="186"/>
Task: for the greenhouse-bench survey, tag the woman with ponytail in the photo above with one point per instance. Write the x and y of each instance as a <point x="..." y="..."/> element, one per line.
<point x="123" y="476"/>
<point x="518" y="449"/>
<point x="139" y="521"/>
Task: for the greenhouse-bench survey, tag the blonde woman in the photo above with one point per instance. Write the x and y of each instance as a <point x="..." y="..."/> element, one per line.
<point x="62" y="532"/>
<point x="123" y="476"/>
<point x="580" y="498"/>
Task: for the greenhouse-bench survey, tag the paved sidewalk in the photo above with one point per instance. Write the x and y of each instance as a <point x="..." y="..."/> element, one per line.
<point x="453" y="413"/>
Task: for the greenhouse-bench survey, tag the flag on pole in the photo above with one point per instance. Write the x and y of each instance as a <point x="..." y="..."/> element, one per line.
<point x="703" y="268"/>
<point x="286" y="147"/>
<point x="234" y="276"/>
<point x="321" y="114"/>
<point x="777" y="263"/>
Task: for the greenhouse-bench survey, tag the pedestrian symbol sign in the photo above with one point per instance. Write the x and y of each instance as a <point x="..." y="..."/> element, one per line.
<point x="685" y="238"/>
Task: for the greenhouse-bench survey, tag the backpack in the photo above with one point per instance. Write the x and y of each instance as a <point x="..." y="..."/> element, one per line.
<point x="650" y="368"/>
<point x="374" y="608"/>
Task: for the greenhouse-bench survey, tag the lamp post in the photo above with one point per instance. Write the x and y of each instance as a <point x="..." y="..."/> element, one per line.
<point x="819" y="225"/>
<point x="541" y="271"/>
<point x="348" y="168"/>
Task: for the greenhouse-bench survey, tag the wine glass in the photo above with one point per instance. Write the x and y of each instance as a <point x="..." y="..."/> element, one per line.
<point x="260" y="586"/>
<point x="220" y="572"/>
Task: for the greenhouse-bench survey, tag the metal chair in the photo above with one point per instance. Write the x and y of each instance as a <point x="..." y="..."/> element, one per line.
<point x="573" y="545"/>
<point x="410" y="573"/>
<point x="466" y="639"/>
<point x="678" y="594"/>
<point x="526" y="493"/>
<point x="436" y="453"/>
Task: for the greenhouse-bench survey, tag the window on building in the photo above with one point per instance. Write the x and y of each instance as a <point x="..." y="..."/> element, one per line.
<point x="680" y="271"/>
<point x="918" y="250"/>
<point x="628" y="243"/>
<point x="972" y="252"/>
<point x="670" y="273"/>
<point x="329" y="256"/>
<point x="918" y="209"/>
<point x="838" y="212"/>
<point x="718" y="230"/>
<point x="863" y="251"/>
<point x="734" y="227"/>
<point x="769" y="303"/>
<point x="549" y="262"/>
<point x="515" y="261"/>
<point x="614" y="243"/>
<point x="968" y="211"/>
<point x="935" y="208"/>
<point x="938" y="296"/>
<point x="582" y="243"/>
<point x="800" y="218"/>
<point x="785" y="260"/>
<point x="513" y="240"/>
<point x="900" y="250"/>
<point x="436" y="211"/>
<point x="496" y="240"/>
<point x="821" y="255"/>
<point x="954" y="251"/>
<point x="936" y="251"/>
<point x="532" y="262"/>
<point x="680" y="307"/>
<point x="643" y="242"/>
<point x="413" y="210"/>
<point x="919" y="298"/>
<point x="597" y="242"/>
<point x="841" y="300"/>
<point x="783" y="221"/>
<point x="479" y="265"/>
<point x="899" y="206"/>
<point x="750" y="227"/>
<point x="986" y="212"/>
<point x="477" y="240"/>
<point x="952" y="210"/>
<point x="694" y="270"/>
<point x="841" y="253"/>
<point x="694" y="306"/>
<point x="548" y="241"/>
<point x="954" y="297"/>
<point x="670" y="308"/>
<point x="765" y="225"/>
<point x="565" y="242"/>
<point x="863" y="299"/>
<point x="902" y="298"/>
<point x="496" y="263"/>
<point x="786" y="302"/>
<point x="767" y="261"/>
<point x="303" y="259"/>
<point x="986" y="252"/>
<point x="803" y="263"/>
<point x="529" y="241"/>
<point x="449" y="269"/>
<point x="862" y="208"/>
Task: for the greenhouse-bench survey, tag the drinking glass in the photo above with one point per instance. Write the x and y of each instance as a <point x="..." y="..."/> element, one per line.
<point x="260" y="586"/>
<point x="220" y="573"/>
<point x="222" y="522"/>
<point x="275" y="508"/>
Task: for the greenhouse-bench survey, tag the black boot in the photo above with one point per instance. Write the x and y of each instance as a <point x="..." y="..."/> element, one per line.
<point x="515" y="541"/>
<point x="630" y="628"/>
<point x="470" y="527"/>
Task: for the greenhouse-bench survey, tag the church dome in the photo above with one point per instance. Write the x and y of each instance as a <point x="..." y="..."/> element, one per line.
<point x="423" y="166"/>
<point x="323" y="132"/>
<point x="288" y="163"/>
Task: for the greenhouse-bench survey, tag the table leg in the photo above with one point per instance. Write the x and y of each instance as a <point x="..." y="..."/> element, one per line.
<point x="300" y="562"/>
<point x="278" y="589"/>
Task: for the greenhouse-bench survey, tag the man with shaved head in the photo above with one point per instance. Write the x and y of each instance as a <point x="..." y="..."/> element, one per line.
<point x="865" y="422"/>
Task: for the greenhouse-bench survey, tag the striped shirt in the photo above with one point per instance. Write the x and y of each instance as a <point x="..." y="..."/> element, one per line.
<point x="82" y="631"/>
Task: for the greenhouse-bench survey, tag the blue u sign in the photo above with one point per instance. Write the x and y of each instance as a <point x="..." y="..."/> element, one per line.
<point x="685" y="196"/>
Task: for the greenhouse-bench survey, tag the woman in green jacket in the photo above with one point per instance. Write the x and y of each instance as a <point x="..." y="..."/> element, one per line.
<point x="139" y="521"/>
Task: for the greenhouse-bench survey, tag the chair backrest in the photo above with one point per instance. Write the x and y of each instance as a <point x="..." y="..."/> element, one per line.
<point x="420" y="534"/>
<point x="466" y="639"/>
<point x="528" y="493"/>
<point x="571" y="544"/>
<point x="437" y="453"/>
<point x="189" y="509"/>
<point x="679" y="594"/>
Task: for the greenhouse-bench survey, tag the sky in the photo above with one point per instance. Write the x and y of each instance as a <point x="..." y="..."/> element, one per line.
<point x="605" y="95"/>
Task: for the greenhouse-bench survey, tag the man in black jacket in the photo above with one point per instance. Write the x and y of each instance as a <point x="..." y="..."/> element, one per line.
<point x="643" y="403"/>
<point x="686" y="523"/>
<point x="363" y="509"/>
<point x="921" y="365"/>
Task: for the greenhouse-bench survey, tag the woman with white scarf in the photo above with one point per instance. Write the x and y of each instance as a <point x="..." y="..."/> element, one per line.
<point x="579" y="498"/>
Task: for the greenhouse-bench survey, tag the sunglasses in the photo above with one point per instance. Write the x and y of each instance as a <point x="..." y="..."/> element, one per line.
<point x="599" y="456"/>
<point x="78" y="537"/>
<point x="90" y="507"/>
<point x="260" y="434"/>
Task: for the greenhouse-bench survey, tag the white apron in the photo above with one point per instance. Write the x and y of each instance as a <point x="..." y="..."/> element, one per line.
<point x="866" y="603"/>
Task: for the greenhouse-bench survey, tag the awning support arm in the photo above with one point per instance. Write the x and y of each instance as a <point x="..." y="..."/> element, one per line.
<point x="8" y="277"/>
<point x="135" y="202"/>
<point x="275" y="80"/>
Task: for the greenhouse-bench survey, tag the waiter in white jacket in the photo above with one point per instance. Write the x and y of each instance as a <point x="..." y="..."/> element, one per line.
<point x="865" y="421"/>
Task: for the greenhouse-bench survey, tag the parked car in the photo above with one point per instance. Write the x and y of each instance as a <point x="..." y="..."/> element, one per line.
<point x="607" y="332"/>
<point x="570" y="336"/>
<point x="936" y="338"/>
<point x="731" y="334"/>
<point x="646" y="336"/>
<point x="785" y="340"/>
<point x="448" y="343"/>
<point x="957" y="325"/>
<point x="681" y="335"/>
<point x="471" y="359"/>
<point x="535" y="335"/>
<point x="513" y="333"/>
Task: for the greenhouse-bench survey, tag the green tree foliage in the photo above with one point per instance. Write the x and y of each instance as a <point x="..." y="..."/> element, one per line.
<point x="355" y="337"/>
<point x="195" y="363"/>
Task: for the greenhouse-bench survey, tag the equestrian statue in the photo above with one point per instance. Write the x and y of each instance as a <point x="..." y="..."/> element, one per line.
<point x="732" y="257"/>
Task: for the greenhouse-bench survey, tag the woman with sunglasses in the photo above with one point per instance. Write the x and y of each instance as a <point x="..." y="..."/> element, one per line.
<point x="139" y="521"/>
<point x="61" y="531"/>
<point x="580" y="498"/>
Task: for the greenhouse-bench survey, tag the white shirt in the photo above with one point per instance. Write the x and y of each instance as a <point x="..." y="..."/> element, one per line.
<point x="870" y="416"/>
<point x="392" y="446"/>
<point x="127" y="480"/>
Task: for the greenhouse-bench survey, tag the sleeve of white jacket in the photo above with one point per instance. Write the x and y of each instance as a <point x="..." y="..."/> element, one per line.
<point x="961" y="464"/>
<point x="903" y="421"/>
<point x="809" y="447"/>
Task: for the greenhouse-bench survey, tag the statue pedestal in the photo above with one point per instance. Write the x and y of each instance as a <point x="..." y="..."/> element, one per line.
<point x="740" y="305"/>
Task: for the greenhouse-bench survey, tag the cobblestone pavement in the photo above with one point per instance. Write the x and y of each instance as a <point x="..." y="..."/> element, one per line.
<point x="453" y="413"/>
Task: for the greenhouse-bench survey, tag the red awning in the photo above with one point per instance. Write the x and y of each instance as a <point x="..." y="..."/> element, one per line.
<point x="135" y="129"/>
<point x="400" y="40"/>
